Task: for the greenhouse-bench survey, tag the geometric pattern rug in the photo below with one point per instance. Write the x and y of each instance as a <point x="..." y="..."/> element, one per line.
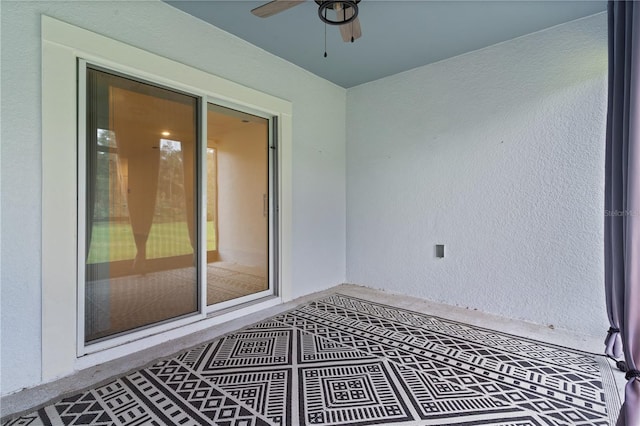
<point x="340" y="360"/>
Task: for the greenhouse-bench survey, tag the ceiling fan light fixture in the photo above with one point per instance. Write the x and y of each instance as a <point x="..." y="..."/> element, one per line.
<point x="337" y="5"/>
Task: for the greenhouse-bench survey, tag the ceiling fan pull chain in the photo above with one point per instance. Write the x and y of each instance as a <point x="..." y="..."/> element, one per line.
<point x="352" y="39"/>
<point x="325" y="34"/>
<point x="344" y="18"/>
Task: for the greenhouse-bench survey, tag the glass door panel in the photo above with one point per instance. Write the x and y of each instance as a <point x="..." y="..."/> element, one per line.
<point x="237" y="204"/>
<point x="140" y="259"/>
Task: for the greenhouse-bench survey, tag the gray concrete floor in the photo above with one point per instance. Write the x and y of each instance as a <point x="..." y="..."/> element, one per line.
<point x="33" y="398"/>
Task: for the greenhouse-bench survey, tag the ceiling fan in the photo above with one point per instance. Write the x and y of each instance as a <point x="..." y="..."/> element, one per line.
<point x="346" y="14"/>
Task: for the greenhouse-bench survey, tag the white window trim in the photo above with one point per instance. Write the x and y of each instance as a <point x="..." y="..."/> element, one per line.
<point x="62" y="45"/>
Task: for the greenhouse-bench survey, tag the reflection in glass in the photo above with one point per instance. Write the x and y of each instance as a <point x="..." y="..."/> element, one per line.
<point x="140" y="211"/>
<point x="237" y="204"/>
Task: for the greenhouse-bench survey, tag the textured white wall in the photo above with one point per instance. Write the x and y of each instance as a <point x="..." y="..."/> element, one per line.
<point x="318" y="149"/>
<point x="499" y="155"/>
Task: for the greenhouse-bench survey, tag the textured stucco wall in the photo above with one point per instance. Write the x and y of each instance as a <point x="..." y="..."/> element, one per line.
<point x="318" y="148"/>
<point x="499" y="155"/>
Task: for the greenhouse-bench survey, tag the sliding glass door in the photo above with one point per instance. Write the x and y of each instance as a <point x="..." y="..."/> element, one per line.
<point x="177" y="201"/>
<point x="238" y="204"/>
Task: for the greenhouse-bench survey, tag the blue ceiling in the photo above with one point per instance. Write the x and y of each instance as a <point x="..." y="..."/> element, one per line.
<point x="397" y="35"/>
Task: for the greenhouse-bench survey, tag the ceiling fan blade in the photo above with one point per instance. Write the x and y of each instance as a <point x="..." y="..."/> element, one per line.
<point x="275" y="6"/>
<point x="352" y="29"/>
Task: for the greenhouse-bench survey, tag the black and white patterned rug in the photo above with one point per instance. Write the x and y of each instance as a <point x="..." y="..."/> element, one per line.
<point x="341" y="360"/>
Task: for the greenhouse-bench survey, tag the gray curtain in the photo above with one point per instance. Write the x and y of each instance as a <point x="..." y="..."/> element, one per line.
<point x="136" y="145"/>
<point x="622" y="200"/>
